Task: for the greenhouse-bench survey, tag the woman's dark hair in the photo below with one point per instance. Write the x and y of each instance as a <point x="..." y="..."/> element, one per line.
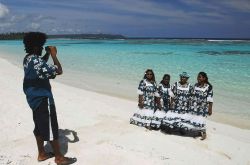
<point x="165" y="76"/>
<point x="149" y="70"/>
<point x="203" y="74"/>
<point x="34" y="41"/>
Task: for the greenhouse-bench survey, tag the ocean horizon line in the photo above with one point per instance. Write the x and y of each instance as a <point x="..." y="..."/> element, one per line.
<point x="114" y="36"/>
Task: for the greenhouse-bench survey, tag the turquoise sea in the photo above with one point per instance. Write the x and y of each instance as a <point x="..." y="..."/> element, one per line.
<point x="115" y="67"/>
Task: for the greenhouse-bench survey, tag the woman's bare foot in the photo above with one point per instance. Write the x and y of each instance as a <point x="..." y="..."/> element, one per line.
<point x="149" y="128"/>
<point x="203" y="135"/>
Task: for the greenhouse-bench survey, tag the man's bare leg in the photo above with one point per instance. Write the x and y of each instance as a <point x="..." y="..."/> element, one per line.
<point x="59" y="158"/>
<point x="42" y="155"/>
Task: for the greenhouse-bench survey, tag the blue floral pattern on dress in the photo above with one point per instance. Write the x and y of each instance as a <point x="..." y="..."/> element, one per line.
<point x="149" y="91"/>
<point x="201" y="96"/>
<point x="41" y="68"/>
<point x="182" y="97"/>
<point x="36" y="85"/>
<point x="165" y="94"/>
<point x="144" y="116"/>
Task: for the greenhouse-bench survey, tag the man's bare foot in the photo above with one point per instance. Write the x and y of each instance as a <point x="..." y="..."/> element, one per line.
<point x="64" y="160"/>
<point x="44" y="156"/>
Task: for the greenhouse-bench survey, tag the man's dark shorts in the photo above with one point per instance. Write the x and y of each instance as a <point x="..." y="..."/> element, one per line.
<point x="45" y="120"/>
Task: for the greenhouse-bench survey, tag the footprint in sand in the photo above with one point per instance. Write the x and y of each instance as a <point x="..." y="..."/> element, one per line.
<point x="225" y="155"/>
<point x="164" y="158"/>
<point x="101" y="142"/>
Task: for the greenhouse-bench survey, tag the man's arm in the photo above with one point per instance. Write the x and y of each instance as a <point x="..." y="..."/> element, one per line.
<point x="53" y="52"/>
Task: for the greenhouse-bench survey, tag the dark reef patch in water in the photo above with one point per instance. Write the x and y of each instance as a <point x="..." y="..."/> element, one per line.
<point x="153" y="53"/>
<point x="233" y="52"/>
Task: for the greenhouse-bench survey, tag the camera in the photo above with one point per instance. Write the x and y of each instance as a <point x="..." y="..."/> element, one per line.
<point x="47" y="49"/>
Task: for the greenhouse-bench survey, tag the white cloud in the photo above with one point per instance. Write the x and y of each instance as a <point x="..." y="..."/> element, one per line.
<point x="17" y="18"/>
<point x="239" y="5"/>
<point x="5" y="25"/>
<point x="35" y="26"/>
<point x="3" y="10"/>
<point x="118" y="12"/>
<point x="121" y="16"/>
<point x="221" y="5"/>
<point x="26" y="22"/>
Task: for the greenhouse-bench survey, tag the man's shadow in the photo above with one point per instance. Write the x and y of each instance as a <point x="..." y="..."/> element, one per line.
<point x="65" y="136"/>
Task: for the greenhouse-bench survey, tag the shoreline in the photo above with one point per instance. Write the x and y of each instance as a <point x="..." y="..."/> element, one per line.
<point x="219" y="117"/>
<point x="103" y="130"/>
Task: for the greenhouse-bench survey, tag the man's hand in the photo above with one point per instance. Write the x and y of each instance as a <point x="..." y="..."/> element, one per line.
<point x="53" y="51"/>
<point x="47" y="49"/>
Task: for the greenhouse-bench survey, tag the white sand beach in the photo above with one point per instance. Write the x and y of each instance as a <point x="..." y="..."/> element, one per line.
<point x="103" y="135"/>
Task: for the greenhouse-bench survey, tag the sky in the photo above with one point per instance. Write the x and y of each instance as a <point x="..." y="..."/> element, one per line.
<point x="131" y="18"/>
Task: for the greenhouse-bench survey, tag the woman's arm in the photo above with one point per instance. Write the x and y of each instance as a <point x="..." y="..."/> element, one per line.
<point x="140" y="101"/>
<point x="210" y="100"/>
<point x="210" y="105"/>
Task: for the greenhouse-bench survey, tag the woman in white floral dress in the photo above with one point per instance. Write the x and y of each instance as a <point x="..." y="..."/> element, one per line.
<point x="180" y="104"/>
<point x="147" y="91"/>
<point x="201" y="105"/>
<point x="166" y="95"/>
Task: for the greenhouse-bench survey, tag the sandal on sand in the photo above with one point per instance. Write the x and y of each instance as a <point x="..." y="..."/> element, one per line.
<point x="67" y="161"/>
<point x="49" y="155"/>
<point x="203" y="135"/>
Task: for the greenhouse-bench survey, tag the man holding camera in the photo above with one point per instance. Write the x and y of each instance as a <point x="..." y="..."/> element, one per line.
<point x="37" y="89"/>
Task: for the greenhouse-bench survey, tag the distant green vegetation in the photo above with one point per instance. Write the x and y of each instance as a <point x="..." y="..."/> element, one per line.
<point x="88" y="36"/>
<point x="18" y="36"/>
<point x="11" y="36"/>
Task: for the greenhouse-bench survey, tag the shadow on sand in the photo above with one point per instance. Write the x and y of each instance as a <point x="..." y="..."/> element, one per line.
<point x="65" y="136"/>
<point x="179" y="132"/>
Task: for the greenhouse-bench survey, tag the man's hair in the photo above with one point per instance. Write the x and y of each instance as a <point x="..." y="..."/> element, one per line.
<point x="34" y="41"/>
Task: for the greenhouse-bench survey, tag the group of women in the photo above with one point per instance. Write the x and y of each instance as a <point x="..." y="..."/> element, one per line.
<point x="182" y="106"/>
